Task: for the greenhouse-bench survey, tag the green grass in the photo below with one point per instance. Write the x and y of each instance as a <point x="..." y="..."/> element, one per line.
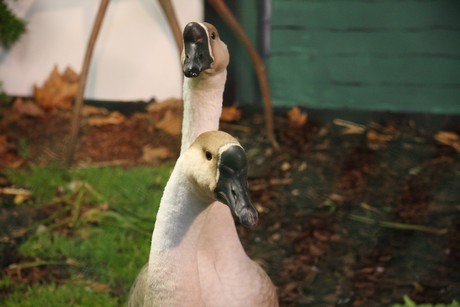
<point x="52" y="295"/>
<point x="108" y="252"/>
<point x="409" y="303"/>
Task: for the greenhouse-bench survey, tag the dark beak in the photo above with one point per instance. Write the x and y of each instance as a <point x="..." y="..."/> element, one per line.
<point x="196" y="50"/>
<point x="232" y="186"/>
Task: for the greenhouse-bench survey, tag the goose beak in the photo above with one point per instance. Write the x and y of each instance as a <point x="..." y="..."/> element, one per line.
<point x="232" y="186"/>
<point x="197" y="51"/>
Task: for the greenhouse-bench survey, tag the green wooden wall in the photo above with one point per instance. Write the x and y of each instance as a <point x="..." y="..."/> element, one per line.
<point x="388" y="55"/>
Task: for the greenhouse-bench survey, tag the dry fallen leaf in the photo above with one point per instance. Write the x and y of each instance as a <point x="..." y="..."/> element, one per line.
<point x="114" y="118"/>
<point x="28" y="108"/>
<point x="316" y="249"/>
<point x="448" y="138"/>
<point x="297" y="117"/>
<point x="230" y="114"/>
<point x="8" y="156"/>
<point x="58" y="90"/>
<point x="70" y="75"/>
<point x="350" y="127"/>
<point x="88" y="110"/>
<point x="100" y="287"/>
<point x="158" y="109"/>
<point x="375" y="137"/>
<point x="170" y="123"/>
<point x="167" y="115"/>
<point x="72" y="261"/>
<point x="155" y="154"/>
<point x="3" y="144"/>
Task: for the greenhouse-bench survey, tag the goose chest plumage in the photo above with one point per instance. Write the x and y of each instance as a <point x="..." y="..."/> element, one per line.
<point x="213" y="168"/>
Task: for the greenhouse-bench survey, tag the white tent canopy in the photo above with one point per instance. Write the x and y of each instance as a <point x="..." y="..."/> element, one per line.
<point x="135" y="57"/>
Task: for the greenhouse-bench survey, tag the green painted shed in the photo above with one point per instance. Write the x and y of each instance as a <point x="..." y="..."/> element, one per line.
<point x="388" y="55"/>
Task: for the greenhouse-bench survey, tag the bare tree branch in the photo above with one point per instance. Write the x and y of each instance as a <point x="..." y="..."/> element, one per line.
<point x="225" y="13"/>
<point x="168" y="9"/>
<point x="75" y="123"/>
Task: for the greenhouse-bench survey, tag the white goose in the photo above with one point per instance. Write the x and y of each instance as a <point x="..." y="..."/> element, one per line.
<point x="205" y="59"/>
<point x="228" y="277"/>
<point x="213" y="168"/>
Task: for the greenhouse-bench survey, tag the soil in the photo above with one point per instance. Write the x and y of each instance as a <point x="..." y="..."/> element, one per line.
<point x="350" y="214"/>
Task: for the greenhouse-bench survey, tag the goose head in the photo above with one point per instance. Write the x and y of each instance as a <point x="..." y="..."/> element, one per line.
<point x="216" y="165"/>
<point x="204" y="51"/>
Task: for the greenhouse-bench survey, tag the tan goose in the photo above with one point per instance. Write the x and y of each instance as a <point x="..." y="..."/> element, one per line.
<point x="213" y="168"/>
<point x="228" y="276"/>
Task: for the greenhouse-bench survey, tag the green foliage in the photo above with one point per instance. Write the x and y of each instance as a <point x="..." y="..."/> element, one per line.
<point x="5" y="283"/>
<point x="11" y="27"/>
<point x="23" y="148"/>
<point x="409" y="303"/>
<point x="43" y="182"/>
<point x="4" y="98"/>
<point x="53" y="295"/>
<point x="111" y="251"/>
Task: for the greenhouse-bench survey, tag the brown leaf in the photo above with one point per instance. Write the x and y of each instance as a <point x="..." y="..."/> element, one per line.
<point x="158" y="110"/>
<point x="336" y="198"/>
<point x="28" y="108"/>
<point x="72" y="261"/>
<point x="375" y="137"/>
<point x="321" y="235"/>
<point x="167" y="115"/>
<point x="230" y="114"/>
<point x="70" y="75"/>
<point x="114" y="118"/>
<point x="350" y="127"/>
<point x="100" y="287"/>
<point x="92" y="111"/>
<point x="448" y="138"/>
<point x="170" y="123"/>
<point x="155" y="154"/>
<point x="290" y="286"/>
<point x="316" y="249"/>
<point x="8" y="158"/>
<point x="58" y="90"/>
<point x="3" y="144"/>
<point x="297" y="117"/>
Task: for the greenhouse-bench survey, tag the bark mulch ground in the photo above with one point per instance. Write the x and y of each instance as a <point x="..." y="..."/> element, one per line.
<point x="350" y="214"/>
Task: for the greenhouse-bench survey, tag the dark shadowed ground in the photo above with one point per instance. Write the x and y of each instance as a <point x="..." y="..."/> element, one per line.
<point x="350" y="214"/>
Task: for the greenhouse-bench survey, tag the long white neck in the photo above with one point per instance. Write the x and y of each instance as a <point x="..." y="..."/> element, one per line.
<point x="202" y="105"/>
<point x="219" y="241"/>
<point x="173" y="272"/>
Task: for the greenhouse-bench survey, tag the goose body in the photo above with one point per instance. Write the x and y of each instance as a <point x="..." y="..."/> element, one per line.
<point x="214" y="167"/>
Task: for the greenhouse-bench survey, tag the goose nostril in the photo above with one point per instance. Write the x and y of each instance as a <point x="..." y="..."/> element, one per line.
<point x="190" y="72"/>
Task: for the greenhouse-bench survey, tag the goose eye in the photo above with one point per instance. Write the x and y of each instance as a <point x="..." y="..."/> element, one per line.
<point x="208" y="155"/>
<point x="213" y="35"/>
